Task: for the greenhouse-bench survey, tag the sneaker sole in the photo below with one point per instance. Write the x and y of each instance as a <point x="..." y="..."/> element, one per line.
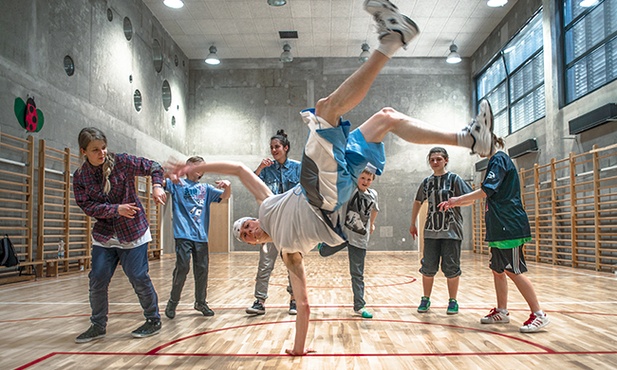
<point x="487" y="111"/>
<point x="89" y="339"/>
<point x="452" y="313"/>
<point x="293" y="312"/>
<point x="135" y="335"/>
<point x="254" y="313"/>
<point x="534" y="330"/>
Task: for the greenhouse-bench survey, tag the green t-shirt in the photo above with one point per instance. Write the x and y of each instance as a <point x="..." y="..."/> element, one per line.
<point x="509" y="244"/>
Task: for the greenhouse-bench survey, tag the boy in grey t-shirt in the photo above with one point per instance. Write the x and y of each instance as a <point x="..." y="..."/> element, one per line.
<point x="362" y="210"/>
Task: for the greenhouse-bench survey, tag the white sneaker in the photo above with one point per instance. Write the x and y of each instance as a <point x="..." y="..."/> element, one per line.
<point x="496" y="317"/>
<point x="389" y="19"/>
<point x="481" y="130"/>
<point x="534" y="323"/>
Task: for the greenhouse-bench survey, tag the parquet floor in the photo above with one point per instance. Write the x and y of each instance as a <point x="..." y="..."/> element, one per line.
<point x="39" y="320"/>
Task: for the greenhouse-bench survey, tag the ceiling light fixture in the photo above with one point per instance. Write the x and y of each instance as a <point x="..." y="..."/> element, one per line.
<point x="588" y="3"/>
<point x="277" y="2"/>
<point x="286" y="56"/>
<point x="176" y="4"/>
<point x="496" y="3"/>
<point x="212" y="58"/>
<point x="364" y="54"/>
<point x="454" y="57"/>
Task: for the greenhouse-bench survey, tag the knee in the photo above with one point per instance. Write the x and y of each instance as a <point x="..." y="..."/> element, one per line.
<point x="388" y="116"/>
<point x="303" y="305"/>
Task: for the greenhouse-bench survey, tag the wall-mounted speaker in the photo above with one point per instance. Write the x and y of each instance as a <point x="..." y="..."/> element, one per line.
<point x="527" y="146"/>
<point x="481" y="165"/>
<point x="597" y="117"/>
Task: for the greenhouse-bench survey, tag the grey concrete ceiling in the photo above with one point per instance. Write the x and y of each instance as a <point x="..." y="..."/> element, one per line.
<point x="326" y="28"/>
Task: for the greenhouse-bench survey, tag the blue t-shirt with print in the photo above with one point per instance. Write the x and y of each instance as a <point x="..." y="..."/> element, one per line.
<point x="191" y="208"/>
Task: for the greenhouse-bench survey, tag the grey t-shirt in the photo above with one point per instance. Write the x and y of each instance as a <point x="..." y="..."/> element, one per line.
<point x="436" y="189"/>
<point x="293" y="224"/>
<point x="358" y="220"/>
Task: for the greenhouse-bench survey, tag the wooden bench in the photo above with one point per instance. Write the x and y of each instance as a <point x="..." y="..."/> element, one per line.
<point x="52" y="265"/>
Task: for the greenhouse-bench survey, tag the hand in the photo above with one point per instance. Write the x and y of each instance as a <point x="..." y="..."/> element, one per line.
<point x="306" y="352"/>
<point x="175" y="170"/>
<point x="413" y="230"/>
<point x="450" y="203"/>
<point x="222" y="184"/>
<point x="159" y="195"/>
<point x="128" y="210"/>
<point x="266" y="162"/>
<point x="372" y="229"/>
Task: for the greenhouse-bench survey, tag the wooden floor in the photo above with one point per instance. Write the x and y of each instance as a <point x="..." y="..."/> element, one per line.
<point x="39" y="321"/>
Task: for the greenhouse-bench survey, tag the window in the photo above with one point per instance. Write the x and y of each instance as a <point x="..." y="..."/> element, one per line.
<point x="590" y="46"/>
<point x="514" y="81"/>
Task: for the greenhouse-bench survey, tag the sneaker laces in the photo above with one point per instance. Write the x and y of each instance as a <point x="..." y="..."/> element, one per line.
<point x="493" y="312"/>
<point x="530" y="320"/>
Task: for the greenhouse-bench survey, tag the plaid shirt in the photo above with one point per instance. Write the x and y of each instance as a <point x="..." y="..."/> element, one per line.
<point x="88" y="190"/>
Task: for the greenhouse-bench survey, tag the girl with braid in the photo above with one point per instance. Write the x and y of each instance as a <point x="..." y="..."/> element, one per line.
<point x="104" y="188"/>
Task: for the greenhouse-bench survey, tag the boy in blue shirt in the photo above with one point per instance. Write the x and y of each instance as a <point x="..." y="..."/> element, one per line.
<point x="191" y="221"/>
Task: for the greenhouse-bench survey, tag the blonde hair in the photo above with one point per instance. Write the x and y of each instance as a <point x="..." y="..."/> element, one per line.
<point x="89" y="134"/>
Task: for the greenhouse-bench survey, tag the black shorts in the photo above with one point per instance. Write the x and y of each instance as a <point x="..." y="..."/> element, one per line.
<point x="511" y="260"/>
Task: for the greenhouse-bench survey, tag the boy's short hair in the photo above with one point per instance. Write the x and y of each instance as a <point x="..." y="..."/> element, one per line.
<point x="370" y="169"/>
<point x="195" y="159"/>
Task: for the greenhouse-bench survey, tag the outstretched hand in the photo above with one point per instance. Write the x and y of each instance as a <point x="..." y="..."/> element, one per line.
<point x="306" y="352"/>
<point x="450" y="203"/>
<point x="175" y="170"/>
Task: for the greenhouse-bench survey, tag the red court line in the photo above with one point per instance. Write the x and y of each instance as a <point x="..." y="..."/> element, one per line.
<point x="261" y="355"/>
<point x="542" y="350"/>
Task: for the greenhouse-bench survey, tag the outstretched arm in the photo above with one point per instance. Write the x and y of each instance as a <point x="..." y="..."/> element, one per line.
<point x="253" y="183"/>
<point x="295" y="266"/>
<point x="463" y="200"/>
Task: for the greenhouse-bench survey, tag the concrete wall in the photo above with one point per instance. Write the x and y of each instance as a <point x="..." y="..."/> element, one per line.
<point x="36" y="36"/>
<point x="236" y="107"/>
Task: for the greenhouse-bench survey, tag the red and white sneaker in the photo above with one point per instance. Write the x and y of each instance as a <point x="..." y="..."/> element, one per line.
<point x="496" y="317"/>
<point x="389" y="19"/>
<point x="534" y="323"/>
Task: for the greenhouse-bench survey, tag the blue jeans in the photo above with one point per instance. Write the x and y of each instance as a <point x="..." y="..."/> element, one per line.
<point x="356" y="269"/>
<point x="135" y="265"/>
<point x="184" y="250"/>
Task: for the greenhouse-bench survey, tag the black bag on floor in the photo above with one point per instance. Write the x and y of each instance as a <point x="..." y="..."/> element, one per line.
<point x="8" y="257"/>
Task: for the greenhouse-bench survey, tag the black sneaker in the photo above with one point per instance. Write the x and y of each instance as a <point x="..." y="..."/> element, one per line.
<point x="293" y="310"/>
<point x="170" y="310"/>
<point x="94" y="332"/>
<point x="204" y="309"/>
<point x="150" y="328"/>
<point x="257" y="308"/>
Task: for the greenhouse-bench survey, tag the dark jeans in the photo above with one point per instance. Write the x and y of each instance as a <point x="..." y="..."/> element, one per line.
<point x="135" y="265"/>
<point x="356" y="269"/>
<point x="184" y="250"/>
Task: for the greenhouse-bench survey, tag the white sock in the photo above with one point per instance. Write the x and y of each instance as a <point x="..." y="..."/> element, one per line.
<point x="539" y="313"/>
<point x="389" y="44"/>
<point x="502" y="310"/>
<point x="463" y="138"/>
